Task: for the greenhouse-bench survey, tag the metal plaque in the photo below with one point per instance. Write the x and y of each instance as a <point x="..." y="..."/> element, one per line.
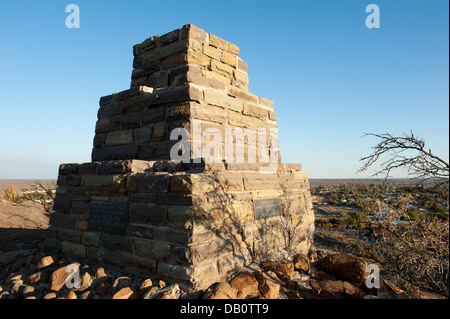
<point x="108" y="218"/>
<point x="267" y="207"/>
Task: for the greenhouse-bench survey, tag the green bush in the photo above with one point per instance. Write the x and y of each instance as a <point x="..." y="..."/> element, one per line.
<point x="414" y="215"/>
<point x="357" y="220"/>
<point x="438" y="208"/>
<point x="334" y="199"/>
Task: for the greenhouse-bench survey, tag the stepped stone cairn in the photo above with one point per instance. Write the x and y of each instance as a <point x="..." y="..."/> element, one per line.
<point x="159" y="196"/>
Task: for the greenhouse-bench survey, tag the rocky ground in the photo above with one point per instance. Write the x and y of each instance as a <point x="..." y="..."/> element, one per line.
<point x="27" y="272"/>
<point x="31" y="274"/>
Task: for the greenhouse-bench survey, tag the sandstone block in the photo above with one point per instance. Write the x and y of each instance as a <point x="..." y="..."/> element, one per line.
<point x="73" y="236"/>
<point x="136" y="104"/>
<point x="243" y="66"/>
<point x="45" y="261"/>
<point x="260" y="182"/>
<point x="148" y="183"/>
<point x="284" y="269"/>
<point x="272" y="116"/>
<point x="158" y="79"/>
<point x="217" y="76"/>
<point x="268" y="284"/>
<point x="151" y="249"/>
<point x="110" y="110"/>
<point x="197" y="59"/>
<point x="246" y="285"/>
<point x="233" y="48"/>
<point x="141" y="231"/>
<point x="164" y="51"/>
<point x="119" y="138"/>
<point x="116" y="243"/>
<point x="335" y="289"/>
<point x="39" y="277"/>
<point x="90" y="238"/>
<point x="192" y="184"/>
<point x="253" y="110"/>
<point x="126" y="293"/>
<point x="166" y="292"/>
<point x="105" y="255"/>
<point x="175" y="271"/>
<point x="60" y="276"/>
<point x="148" y="214"/>
<point x="237" y="119"/>
<point x="174" y="60"/>
<point x="220" y="99"/>
<point x="176" y="94"/>
<point x="182" y="236"/>
<point x="217" y="42"/>
<point x="62" y="204"/>
<point x="193" y="32"/>
<point x="120" y="122"/>
<point x="265" y="102"/>
<point x="230" y="59"/>
<point x="154" y="114"/>
<point x="210" y="113"/>
<point x="159" y="132"/>
<point x="301" y="262"/>
<point x="64" y="221"/>
<point x="212" y="52"/>
<point x="229" y="182"/>
<point x="133" y="92"/>
<point x="140" y="263"/>
<point x="241" y="76"/>
<point x="115" y="152"/>
<point x="222" y="68"/>
<point x="105" y="184"/>
<point x="68" y="169"/>
<point x="146" y="284"/>
<point x="181" y="217"/>
<point x="102" y="125"/>
<point x="175" y="199"/>
<point x="204" y="252"/>
<point x="195" y="75"/>
<point x="222" y="290"/>
<point x="169" y="37"/>
<point x="267" y="193"/>
<point x="243" y="95"/>
<point x="73" y="249"/>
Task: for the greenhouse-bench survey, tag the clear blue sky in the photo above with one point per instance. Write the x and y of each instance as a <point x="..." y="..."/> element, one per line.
<point x="331" y="78"/>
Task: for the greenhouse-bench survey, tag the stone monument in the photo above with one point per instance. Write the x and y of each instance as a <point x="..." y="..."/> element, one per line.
<point x="185" y="180"/>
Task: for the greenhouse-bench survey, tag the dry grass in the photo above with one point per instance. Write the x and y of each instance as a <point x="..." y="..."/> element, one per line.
<point x="12" y="194"/>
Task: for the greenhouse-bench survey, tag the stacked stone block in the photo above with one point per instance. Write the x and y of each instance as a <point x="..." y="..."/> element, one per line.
<point x="194" y="223"/>
<point x="179" y="77"/>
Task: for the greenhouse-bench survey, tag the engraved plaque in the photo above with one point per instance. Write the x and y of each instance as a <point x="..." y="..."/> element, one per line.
<point x="108" y="218"/>
<point x="267" y="207"/>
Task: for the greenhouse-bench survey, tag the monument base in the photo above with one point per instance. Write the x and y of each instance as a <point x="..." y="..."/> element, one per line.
<point x="192" y="224"/>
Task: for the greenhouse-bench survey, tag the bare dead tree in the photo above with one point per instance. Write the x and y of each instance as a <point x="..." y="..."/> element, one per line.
<point x="47" y="206"/>
<point x="416" y="251"/>
<point x="407" y="152"/>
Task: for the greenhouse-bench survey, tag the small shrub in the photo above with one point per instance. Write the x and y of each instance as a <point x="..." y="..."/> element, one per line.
<point x="357" y="220"/>
<point x="414" y="215"/>
<point x="334" y="199"/>
<point x="12" y="194"/>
